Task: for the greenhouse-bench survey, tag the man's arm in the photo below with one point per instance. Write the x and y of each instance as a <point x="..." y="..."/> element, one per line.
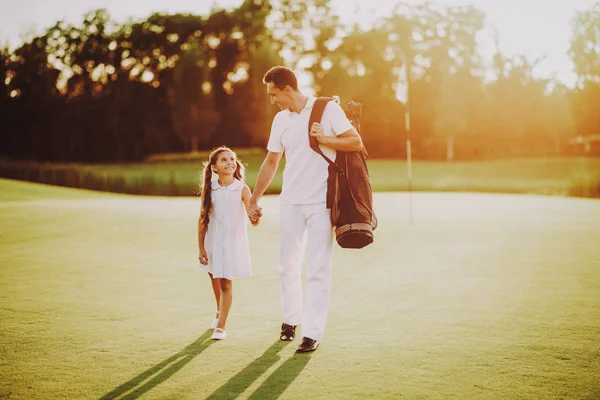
<point x="265" y="176"/>
<point x="347" y="141"/>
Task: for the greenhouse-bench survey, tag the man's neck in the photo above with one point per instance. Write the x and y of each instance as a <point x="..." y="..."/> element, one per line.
<point x="299" y="102"/>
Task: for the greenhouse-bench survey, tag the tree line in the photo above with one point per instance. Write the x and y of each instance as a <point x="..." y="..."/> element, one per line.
<point x="107" y="92"/>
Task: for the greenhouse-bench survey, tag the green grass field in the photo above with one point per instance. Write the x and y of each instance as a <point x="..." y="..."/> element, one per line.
<point x="481" y="297"/>
<point x="553" y="176"/>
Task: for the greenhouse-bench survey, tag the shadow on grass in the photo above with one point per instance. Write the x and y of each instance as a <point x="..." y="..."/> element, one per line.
<point x="162" y="371"/>
<point x="281" y="378"/>
<point x="275" y="384"/>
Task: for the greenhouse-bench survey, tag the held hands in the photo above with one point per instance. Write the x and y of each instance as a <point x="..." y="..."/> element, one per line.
<point x="254" y="220"/>
<point x="316" y="130"/>
<point x="255" y="214"/>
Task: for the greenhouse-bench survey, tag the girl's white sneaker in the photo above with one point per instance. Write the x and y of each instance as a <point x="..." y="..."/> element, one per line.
<point x="219" y="334"/>
<point x="213" y="325"/>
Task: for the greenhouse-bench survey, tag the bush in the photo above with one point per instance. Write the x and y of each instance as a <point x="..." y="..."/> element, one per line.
<point x="585" y="184"/>
<point x="199" y="156"/>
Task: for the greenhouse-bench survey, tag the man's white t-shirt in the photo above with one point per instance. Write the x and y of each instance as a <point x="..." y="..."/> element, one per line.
<point x="305" y="173"/>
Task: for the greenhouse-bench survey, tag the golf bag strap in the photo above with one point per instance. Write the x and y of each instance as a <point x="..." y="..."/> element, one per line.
<point x="357" y="227"/>
<point x="315" y="116"/>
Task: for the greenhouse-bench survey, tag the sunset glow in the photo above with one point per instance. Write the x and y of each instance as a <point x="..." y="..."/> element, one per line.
<point x="537" y="28"/>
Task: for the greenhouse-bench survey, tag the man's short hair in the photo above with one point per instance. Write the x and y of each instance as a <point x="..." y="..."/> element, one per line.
<point x="281" y="77"/>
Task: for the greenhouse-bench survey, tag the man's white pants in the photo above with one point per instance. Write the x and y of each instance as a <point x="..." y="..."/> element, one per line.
<point x="299" y="223"/>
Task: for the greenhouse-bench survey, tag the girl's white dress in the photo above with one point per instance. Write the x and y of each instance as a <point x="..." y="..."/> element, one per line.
<point x="226" y="240"/>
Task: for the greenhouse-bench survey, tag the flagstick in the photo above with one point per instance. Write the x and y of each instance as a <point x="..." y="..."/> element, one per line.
<point x="408" y="146"/>
<point x="409" y="165"/>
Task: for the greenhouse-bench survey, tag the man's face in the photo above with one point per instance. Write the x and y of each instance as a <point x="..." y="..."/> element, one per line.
<point x="280" y="97"/>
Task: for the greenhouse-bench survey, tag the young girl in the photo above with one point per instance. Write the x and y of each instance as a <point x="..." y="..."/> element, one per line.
<point x="222" y="238"/>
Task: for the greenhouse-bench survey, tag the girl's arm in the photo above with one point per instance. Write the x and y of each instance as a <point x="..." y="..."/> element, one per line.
<point x="202" y="256"/>
<point x="246" y="195"/>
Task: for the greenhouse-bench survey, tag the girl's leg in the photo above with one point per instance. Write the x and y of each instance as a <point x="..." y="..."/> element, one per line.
<point x="216" y="290"/>
<point x="226" y="300"/>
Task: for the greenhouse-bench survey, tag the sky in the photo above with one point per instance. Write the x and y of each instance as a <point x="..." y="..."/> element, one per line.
<point x="536" y="28"/>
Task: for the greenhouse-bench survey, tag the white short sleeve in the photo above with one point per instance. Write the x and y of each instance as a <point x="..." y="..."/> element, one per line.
<point x="275" y="144"/>
<point x="337" y="118"/>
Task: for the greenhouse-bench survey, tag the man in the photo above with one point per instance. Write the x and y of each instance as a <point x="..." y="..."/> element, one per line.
<point x="305" y="218"/>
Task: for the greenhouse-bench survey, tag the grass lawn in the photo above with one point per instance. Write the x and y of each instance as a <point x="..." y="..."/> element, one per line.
<point x="554" y="176"/>
<point x="482" y="296"/>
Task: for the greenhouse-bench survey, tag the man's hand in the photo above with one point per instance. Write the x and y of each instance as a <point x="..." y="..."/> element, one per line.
<point x="254" y="221"/>
<point x="255" y="213"/>
<point x="203" y="257"/>
<point x="316" y="130"/>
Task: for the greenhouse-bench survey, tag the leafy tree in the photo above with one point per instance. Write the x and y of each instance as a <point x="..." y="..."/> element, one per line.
<point x="585" y="53"/>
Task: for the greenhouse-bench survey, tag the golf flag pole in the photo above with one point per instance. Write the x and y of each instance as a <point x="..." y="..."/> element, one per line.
<point x="405" y="78"/>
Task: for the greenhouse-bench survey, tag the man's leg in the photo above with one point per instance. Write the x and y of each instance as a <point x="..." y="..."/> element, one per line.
<point x="292" y="239"/>
<point x="318" y="273"/>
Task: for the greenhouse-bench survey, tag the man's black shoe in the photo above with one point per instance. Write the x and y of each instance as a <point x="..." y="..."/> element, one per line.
<point x="288" y="332"/>
<point x="307" y="345"/>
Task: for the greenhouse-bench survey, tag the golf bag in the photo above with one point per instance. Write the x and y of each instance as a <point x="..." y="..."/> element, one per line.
<point x="349" y="193"/>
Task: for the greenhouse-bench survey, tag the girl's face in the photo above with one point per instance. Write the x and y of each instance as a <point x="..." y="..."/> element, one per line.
<point x="225" y="164"/>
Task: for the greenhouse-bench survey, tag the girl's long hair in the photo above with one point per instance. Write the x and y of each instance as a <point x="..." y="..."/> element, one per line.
<point x="205" y="186"/>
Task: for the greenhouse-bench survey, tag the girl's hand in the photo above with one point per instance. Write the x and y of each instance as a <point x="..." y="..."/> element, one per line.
<point x="203" y="257"/>
<point x="255" y="211"/>
<point x="254" y="214"/>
